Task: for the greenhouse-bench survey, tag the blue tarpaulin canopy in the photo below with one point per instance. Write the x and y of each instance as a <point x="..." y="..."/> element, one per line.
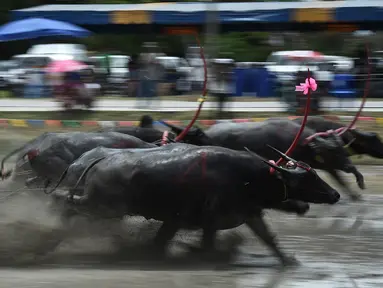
<point x="342" y="16"/>
<point x="39" y="27"/>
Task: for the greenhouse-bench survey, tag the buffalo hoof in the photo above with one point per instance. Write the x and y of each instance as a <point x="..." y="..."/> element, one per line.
<point x="303" y="208"/>
<point x="290" y="261"/>
<point x="361" y="184"/>
<point x="5" y="174"/>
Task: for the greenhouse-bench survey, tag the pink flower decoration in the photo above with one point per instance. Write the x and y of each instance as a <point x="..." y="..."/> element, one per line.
<point x="309" y="84"/>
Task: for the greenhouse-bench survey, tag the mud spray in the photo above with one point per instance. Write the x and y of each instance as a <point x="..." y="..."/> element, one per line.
<point x="31" y="232"/>
<point x="31" y="227"/>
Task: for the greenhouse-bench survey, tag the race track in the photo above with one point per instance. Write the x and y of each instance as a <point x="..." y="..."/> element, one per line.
<point x="338" y="246"/>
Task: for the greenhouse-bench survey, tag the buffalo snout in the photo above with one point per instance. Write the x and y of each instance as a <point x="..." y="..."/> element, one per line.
<point x="322" y="193"/>
<point x="334" y="197"/>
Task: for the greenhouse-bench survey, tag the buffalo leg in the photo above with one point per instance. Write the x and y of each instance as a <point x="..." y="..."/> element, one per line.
<point x="337" y="177"/>
<point x="209" y="231"/>
<point x="259" y="228"/>
<point x="209" y="249"/>
<point x="164" y="235"/>
<point x="359" y="178"/>
<point x="58" y="236"/>
<point x="208" y="238"/>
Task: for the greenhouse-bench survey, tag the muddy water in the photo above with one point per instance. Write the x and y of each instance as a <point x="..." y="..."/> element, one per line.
<point x="338" y="246"/>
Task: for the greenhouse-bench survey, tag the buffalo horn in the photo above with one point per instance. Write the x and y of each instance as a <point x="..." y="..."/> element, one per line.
<point x="280" y="169"/>
<point x="284" y="156"/>
<point x="349" y="143"/>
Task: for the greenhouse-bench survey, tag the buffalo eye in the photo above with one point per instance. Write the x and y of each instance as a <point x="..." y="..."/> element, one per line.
<point x="319" y="158"/>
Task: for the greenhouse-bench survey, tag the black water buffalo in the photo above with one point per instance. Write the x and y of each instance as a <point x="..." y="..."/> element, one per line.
<point x="213" y="188"/>
<point x="72" y="178"/>
<point x="49" y="159"/>
<point x="360" y="142"/>
<point x="42" y="142"/>
<point x="321" y="152"/>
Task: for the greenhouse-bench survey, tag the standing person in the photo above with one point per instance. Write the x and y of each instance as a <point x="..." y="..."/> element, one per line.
<point x="148" y="72"/>
<point x="196" y="75"/>
<point x="221" y="85"/>
<point x="361" y="69"/>
<point x="105" y="65"/>
<point x="133" y="76"/>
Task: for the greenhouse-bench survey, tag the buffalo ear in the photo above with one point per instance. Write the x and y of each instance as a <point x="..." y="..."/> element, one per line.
<point x="174" y="128"/>
<point x="349" y="143"/>
<point x="313" y="145"/>
<point x="333" y="137"/>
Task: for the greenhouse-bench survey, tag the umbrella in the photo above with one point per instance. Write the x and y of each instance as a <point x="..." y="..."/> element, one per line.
<point x="39" y="27"/>
<point x="61" y="66"/>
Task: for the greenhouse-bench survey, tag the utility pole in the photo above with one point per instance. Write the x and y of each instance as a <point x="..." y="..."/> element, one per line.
<point x="212" y="29"/>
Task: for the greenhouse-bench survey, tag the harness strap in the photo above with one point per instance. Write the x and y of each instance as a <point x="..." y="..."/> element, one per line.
<point x="164" y="140"/>
<point x="272" y="170"/>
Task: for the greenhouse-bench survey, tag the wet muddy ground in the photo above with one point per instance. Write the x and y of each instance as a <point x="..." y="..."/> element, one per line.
<point x="338" y="246"/>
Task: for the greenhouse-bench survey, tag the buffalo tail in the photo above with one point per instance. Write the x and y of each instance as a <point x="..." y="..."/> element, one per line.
<point x="7" y="174"/>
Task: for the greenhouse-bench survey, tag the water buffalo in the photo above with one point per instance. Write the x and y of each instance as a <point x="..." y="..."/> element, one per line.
<point x="49" y="160"/>
<point x="72" y="178"/>
<point x="42" y="142"/>
<point x="321" y="152"/>
<point x="213" y="188"/>
<point x="360" y="142"/>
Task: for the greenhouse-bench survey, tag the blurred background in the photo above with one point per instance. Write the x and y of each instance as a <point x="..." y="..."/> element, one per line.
<point x="137" y="50"/>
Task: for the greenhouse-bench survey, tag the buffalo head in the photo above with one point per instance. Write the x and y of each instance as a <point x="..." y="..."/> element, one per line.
<point x="302" y="182"/>
<point x="195" y="135"/>
<point x="364" y="143"/>
<point x="328" y="152"/>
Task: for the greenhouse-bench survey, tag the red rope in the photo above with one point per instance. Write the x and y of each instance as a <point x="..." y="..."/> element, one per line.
<point x="202" y="98"/>
<point x="307" y="108"/>
<point x="365" y="93"/>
